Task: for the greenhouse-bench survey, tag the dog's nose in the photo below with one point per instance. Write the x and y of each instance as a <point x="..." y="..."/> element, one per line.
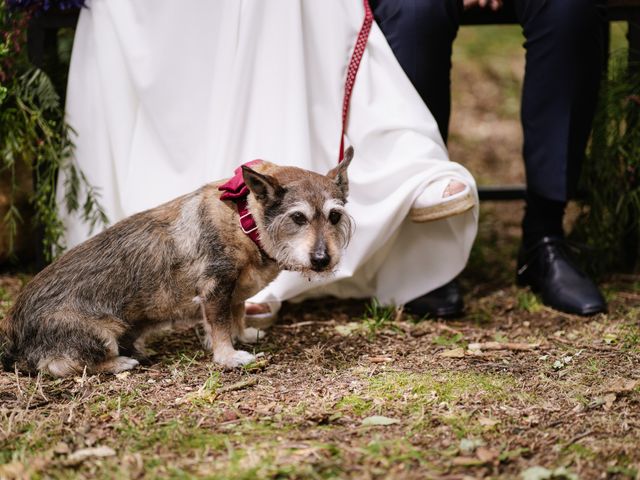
<point x="320" y="260"/>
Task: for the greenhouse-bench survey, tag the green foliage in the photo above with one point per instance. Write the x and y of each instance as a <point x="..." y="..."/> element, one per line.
<point x="610" y="180"/>
<point x="33" y="133"/>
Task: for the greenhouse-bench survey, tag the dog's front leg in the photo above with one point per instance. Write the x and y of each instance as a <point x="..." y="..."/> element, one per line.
<point x="218" y="324"/>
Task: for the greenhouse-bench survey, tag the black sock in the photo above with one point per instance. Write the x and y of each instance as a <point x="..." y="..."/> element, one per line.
<point x="542" y="218"/>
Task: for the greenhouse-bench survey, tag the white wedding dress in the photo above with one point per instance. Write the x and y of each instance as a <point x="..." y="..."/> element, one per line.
<point x="167" y="95"/>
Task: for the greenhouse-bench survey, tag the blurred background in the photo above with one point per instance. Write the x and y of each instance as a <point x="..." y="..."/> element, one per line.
<point x="486" y="137"/>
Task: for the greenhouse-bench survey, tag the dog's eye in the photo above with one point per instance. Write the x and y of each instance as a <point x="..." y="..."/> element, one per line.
<point x="298" y="218"/>
<point x="334" y="217"/>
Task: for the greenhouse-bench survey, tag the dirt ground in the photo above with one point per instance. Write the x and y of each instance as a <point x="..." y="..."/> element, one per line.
<point x="353" y="390"/>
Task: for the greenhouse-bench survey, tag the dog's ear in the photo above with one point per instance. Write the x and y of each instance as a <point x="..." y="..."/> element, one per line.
<point x="339" y="173"/>
<point x="264" y="187"/>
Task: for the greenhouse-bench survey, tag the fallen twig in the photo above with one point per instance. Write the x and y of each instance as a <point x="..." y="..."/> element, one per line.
<point x="380" y="359"/>
<point x="503" y="346"/>
<point x="584" y="346"/>
<point x="305" y="324"/>
<point x="580" y="436"/>
<point x="249" y="382"/>
<point x="628" y="295"/>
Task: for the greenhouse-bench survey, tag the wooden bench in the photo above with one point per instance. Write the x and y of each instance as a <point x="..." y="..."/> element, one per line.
<point x="617" y="10"/>
<point x="42" y="44"/>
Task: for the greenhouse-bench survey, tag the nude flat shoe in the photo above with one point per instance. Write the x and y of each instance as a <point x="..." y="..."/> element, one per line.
<point x="432" y="204"/>
<point x="263" y="320"/>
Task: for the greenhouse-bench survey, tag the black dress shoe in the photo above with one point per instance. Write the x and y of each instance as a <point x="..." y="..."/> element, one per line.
<point x="547" y="268"/>
<point x="443" y="302"/>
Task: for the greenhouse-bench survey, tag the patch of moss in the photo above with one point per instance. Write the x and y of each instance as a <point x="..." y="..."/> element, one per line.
<point x="31" y="438"/>
<point x="354" y="404"/>
<point x="448" y="387"/>
<point x="579" y="451"/>
<point x="450" y="340"/>
<point x="462" y="425"/>
<point x="528" y="301"/>
<point x="631" y="337"/>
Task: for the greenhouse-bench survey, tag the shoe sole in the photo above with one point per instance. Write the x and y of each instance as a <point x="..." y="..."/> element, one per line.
<point x="587" y="312"/>
<point x="443" y="210"/>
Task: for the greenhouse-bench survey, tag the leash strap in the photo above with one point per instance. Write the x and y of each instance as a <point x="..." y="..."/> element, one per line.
<point x="235" y="189"/>
<point x="352" y="71"/>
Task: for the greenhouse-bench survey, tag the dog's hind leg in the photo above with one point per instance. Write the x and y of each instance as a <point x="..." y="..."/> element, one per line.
<point x="116" y="365"/>
<point x="68" y="343"/>
<point x="60" y="366"/>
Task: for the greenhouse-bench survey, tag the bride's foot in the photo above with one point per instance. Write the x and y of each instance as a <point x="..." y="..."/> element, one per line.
<point x="261" y="315"/>
<point x="441" y="199"/>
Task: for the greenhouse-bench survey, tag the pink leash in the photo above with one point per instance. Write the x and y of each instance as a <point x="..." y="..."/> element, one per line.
<point x="235" y="189"/>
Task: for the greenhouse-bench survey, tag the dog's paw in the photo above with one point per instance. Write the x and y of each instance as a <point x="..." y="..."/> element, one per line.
<point x="118" y="365"/>
<point x="236" y="358"/>
<point x="251" y="335"/>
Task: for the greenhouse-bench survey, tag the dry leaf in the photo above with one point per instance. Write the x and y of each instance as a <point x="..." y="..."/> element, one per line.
<point x="609" y="399"/>
<point x="378" y="420"/>
<point x="542" y="473"/>
<point x="621" y="385"/>
<point x="13" y="470"/>
<point x="487" y="422"/>
<point x="83" y="454"/>
<point x="455" y="353"/>
<point x="61" y="448"/>
<point x="487" y="455"/>
<point x="469" y="445"/>
<point x="466" y="462"/>
<point x="347" y="329"/>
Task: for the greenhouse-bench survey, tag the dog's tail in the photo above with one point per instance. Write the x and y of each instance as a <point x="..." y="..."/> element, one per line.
<point x="7" y="355"/>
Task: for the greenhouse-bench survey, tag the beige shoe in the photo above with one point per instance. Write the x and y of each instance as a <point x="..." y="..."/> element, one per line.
<point x="441" y="199"/>
<point x="261" y="315"/>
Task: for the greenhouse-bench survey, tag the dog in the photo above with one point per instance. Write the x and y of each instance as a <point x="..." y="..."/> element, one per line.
<point x="185" y="262"/>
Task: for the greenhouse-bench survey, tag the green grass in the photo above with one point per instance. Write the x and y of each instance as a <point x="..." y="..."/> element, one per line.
<point x="487" y="44"/>
<point x="378" y="317"/>
<point x="450" y="388"/>
<point x="450" y="340"/>
<point x="354" y="404"/>
<point x="490" y="45"/>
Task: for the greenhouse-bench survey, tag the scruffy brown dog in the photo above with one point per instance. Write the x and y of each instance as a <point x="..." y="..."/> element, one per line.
<point x="185" y="262"/>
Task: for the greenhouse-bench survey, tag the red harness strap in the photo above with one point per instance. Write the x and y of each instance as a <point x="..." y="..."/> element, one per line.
<point x="235" y="189"/>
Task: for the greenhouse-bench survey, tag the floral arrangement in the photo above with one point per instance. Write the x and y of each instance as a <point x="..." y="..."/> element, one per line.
<point x="34" y="135"/>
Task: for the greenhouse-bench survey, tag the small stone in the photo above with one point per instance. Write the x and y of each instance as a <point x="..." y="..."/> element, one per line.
<point x="61" y="448"/>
